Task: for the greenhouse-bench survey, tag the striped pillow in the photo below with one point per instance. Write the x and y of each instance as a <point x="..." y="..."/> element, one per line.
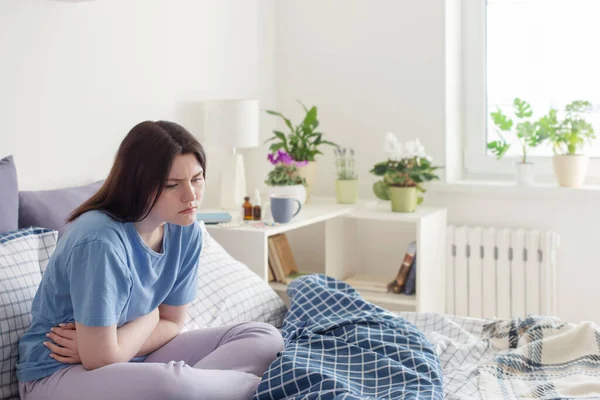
<point x="23" y="256"/>
<point x="229" y="292"/>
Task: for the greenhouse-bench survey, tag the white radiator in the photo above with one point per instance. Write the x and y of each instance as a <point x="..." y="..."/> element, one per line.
<point x="500" y="272"/>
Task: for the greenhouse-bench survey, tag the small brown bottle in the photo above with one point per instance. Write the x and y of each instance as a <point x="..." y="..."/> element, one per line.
<point x="247" y="209"/>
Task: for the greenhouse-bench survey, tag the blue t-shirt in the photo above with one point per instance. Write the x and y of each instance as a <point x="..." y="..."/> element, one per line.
<point x="102" y="274"/>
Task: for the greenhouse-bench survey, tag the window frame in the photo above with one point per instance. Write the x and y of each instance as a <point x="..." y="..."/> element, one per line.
<point x="476" y="163"/>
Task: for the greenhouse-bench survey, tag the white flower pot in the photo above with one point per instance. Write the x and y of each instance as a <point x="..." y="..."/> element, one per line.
<point x="570" y="170"/>
<point x="525" y="174"/>
<point x="296" y="191"/>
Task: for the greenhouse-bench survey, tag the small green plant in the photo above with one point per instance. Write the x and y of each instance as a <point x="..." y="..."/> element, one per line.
<point x="527" y="131"/>
<point x="569" y="135"/>
<point x="284" y="175"/>
<point x="344" y="164"/>
<point x="302" y="142"/>
<point x="407" y="165"/>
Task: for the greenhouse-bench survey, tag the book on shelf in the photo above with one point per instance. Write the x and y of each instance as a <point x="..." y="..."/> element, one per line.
<point x="398" y="284"/>
<point x="275" y="261"/>
<point x="281" y="259"/>
<point x="411" y="281"/>
<point x="271" y="275"/>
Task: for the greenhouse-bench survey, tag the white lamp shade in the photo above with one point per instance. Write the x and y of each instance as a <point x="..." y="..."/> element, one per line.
<point x="232" y="123"/>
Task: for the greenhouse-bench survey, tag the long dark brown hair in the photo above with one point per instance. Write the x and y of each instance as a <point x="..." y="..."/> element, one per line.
<point x="140" y="170"/>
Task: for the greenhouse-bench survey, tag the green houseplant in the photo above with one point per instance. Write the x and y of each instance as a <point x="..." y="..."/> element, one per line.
<point x="302" y="142"/>
<point x="527" y="132"/>
<point x="346" y="184"/>
<point x="403" y="173"/>
<point x="568" y="137"/>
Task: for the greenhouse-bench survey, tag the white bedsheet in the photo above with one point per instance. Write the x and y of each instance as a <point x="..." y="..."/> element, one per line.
<point x="462" y="348"/>
<point x="532" y="358"/>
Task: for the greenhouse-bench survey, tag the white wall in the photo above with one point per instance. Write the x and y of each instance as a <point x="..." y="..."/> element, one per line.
<point x="75" y="77"/>
<point x="374" y="67"/>
<point x="370" y="67"/>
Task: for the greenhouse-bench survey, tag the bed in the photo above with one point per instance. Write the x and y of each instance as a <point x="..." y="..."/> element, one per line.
<point x="535" y="358"/>
<point x="356" y="349"/>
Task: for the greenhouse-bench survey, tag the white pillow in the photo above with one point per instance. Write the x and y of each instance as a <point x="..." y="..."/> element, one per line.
<point x="23" y="256"/>
<point x="229" y="292"/>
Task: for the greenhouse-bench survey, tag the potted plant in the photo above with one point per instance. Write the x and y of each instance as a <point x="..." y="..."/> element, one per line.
<point x="568" y="137"/>
<point x="284" y="179"/>
<point x="527" y="132"/>
<point x="346" y="184"/>
<point x="404" y="172"/>
<point x="302" y="143"/>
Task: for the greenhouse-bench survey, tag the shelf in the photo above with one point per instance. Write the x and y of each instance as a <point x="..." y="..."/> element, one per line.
<point x="322" y="208"/>
<point x="310" y="214"/>
<point x="343" y="248"/>
<point x="382" y="211"/>
<point x="390" y="298"/>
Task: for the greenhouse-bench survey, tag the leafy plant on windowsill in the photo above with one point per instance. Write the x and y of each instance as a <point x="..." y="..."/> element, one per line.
<point x="302" y="142"/>
<point x="285" y="172"/>
<point x="407" y="165"/>
<point x="528" y="132"/>
<point x="568" y="136"/>
<point x="344" y="164"/>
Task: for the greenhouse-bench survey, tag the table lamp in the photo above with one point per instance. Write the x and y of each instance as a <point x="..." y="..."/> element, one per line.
<point x="234" y="123"/>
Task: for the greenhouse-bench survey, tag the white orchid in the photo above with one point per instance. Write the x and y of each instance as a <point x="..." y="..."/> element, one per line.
<point x="398" y="151"/>
<point x="407" y="166"/>
<point x="391" y="143"/>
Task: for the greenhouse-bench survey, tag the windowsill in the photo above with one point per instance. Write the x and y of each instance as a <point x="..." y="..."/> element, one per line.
<point x="507" y="188"/>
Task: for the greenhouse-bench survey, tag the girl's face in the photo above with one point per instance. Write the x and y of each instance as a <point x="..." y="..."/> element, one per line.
<point x="182" y="194"/>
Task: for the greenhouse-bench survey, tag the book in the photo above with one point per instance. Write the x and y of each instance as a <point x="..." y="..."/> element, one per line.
<point x="271" y="275"/>
<point x="281" y="260"/>
<point x="275" y="261"/>
<point x="397" y="285"/>
<point x="411" y="285"/>
<point x="286" y="257"/>
<point x="213" y="217"/>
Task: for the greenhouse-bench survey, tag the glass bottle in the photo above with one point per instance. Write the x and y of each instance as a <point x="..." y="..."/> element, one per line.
<point x="256" y="210"/>
<point x="247" y="206"/>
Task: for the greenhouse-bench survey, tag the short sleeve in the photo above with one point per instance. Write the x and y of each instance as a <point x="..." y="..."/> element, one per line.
<point x="186" y="286"/>
<point x="100" y="283"/>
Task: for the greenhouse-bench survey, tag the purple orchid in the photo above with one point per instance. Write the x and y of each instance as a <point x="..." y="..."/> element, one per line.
<point x="285" y="158"/>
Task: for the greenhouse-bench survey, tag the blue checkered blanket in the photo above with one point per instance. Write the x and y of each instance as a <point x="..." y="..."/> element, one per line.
<point x="339" y="346"/>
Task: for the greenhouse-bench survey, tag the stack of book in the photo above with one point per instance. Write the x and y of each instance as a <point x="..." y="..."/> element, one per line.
<point x="282" y="266"/>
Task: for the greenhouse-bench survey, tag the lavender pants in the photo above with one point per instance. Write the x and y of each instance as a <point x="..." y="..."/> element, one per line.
<point x="213" y="364"/>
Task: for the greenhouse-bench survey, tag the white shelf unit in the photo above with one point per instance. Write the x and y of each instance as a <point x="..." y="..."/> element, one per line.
<point x="342" y="248"/>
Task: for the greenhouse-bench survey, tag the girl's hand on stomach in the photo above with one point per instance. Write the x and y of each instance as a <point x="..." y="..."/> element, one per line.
<point x="64" y="348"/>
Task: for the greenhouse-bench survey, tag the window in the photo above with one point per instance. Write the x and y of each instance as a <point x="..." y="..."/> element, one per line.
<point x="542" y="51"/>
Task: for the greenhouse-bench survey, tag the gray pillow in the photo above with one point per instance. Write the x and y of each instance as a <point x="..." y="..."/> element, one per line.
<point x="9" y="195"/>
<point x="51" y="208"/>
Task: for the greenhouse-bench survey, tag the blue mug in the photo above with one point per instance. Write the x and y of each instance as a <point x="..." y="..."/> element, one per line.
<point x="282" y="208"/>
